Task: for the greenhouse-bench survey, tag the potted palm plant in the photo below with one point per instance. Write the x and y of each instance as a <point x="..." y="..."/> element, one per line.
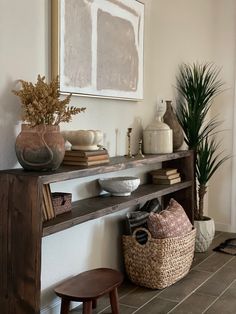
<point x="40" y="146"/>
<point x="198" y="84"/>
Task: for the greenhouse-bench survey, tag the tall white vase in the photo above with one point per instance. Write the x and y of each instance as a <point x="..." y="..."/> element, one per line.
<point x="158" y="136"/>
<point x="205" y="231"/>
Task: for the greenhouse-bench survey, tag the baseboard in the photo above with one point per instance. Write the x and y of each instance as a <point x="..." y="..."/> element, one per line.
<point x="224" y="227"/>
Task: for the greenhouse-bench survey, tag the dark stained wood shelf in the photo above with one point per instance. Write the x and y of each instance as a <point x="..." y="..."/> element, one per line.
<point x="96" y="207"/>
<point x="115" y="164"/>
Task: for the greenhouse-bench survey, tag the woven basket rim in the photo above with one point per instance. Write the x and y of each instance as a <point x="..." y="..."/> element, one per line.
<point x="150" y="238"/>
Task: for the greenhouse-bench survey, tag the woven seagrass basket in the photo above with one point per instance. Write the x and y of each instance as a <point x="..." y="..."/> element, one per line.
<point x="159" y="262"/>
<point x="61" y="202"/>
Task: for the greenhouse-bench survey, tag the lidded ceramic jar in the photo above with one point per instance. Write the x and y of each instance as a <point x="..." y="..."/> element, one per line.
<point x="158" y="137"/>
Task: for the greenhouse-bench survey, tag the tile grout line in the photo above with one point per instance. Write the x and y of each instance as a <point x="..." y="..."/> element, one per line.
<point x="146" y="302"/>
<point x="220" y="233"/>
<point x="200" y="285"/>
<point x="174" y="301"/>
<point x="217" y="298"/>
<point x="158" y="294"/>
<point x="212" y="254"/>
<point x="129" y="306"/>
<point x="119" y="299"/>
<point x="128" y="293"/>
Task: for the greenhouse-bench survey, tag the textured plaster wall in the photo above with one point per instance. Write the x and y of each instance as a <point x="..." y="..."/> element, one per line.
<point x="175" y="31"/>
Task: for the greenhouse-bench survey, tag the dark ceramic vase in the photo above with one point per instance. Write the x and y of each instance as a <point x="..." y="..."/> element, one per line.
<point x="170" y="119"/>
<point x="40" y="148"/>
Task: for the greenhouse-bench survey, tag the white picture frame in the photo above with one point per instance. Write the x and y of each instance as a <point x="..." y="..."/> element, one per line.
<point x="97" y="47"/>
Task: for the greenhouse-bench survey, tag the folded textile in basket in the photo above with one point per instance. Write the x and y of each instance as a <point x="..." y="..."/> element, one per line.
<point x="139" y="218"/>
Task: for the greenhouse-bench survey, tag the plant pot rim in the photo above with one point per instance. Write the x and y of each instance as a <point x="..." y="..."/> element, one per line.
<point x="205" y="218"/>
<point x="39" y="127"/>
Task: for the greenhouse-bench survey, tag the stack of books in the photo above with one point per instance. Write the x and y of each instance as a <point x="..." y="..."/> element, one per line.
<point x="55" y="203"/>
<point x="86" y="158"/>
<point x="165" y="176"/>
<point x="48" y="210"/>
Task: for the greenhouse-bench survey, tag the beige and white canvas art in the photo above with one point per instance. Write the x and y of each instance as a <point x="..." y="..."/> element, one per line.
<point x="101" y="48"/>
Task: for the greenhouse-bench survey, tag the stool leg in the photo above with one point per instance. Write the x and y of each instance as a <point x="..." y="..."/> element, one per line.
<point x="87" y="307"/>
<point x="114" y="301"/>
<point x="94" y="303"/>
<point x="65" y="305"/>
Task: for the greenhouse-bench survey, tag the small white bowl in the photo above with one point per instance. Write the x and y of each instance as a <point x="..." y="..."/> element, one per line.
<point x="119" y="186"/>
<point x="83" y="139"/>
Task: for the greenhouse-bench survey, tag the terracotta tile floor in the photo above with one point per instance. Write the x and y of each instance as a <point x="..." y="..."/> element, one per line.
<point x="210" y="287"/>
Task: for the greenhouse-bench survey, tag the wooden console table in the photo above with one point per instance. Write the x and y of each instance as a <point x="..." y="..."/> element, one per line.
<point x="21" y="226"/>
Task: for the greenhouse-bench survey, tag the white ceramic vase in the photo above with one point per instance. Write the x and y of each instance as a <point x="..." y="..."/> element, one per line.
<point x="205" y="231"/>
<point x="158" y="137"/>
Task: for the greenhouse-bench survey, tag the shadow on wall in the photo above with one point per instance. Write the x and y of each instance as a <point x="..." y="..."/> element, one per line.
<point x="9" y="125"/>
<point x="107" y="239"/>
<point x="136" y="135"/>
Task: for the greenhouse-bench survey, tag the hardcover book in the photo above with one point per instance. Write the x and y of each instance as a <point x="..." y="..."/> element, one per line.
<point x="164" y="171"/>
<point x="86" y="153"/>
<point x="85" y="158"/>
<point x="166" y="176"/>
<point x="85" y="163"/>
<point x="166" y="181"/>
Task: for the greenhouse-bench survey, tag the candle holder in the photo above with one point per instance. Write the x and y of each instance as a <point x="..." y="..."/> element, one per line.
<point x="140" y="152"/>
<point x="129" y="154"/>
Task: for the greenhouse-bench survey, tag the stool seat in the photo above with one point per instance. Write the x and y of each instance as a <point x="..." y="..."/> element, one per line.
<point x="88" y="286"/>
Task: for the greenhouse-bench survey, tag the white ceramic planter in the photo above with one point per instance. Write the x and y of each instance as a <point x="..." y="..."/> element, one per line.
<point x="205" y="231"/>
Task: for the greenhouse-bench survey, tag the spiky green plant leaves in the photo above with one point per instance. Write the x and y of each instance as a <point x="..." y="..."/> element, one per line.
<point x="198" y="84"/>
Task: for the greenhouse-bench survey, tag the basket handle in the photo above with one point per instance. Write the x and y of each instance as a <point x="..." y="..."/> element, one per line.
<point x="142" y="229"/>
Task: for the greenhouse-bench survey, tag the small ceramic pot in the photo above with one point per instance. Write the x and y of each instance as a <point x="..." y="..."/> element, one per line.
<point x="83" y="139"/>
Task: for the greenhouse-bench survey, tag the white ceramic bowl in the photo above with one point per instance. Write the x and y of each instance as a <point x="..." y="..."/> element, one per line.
<point x="119" y="186"/>
<point x="83" y="139"/>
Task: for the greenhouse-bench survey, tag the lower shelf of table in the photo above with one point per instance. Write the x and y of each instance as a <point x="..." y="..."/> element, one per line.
<point x="102" y="205"/>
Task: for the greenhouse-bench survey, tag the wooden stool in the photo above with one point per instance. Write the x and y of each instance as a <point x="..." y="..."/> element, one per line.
<point x="88" y="286"/>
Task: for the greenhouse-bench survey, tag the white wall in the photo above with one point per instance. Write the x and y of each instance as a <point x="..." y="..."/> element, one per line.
<point x="175" y="31"/>
<point x="224" y="41"/>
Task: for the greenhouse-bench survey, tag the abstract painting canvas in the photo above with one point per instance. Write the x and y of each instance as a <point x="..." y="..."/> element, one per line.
<point x="101" y="48"/>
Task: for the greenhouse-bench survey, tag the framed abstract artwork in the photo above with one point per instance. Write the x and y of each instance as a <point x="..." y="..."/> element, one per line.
<point x="97" y="47"/>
